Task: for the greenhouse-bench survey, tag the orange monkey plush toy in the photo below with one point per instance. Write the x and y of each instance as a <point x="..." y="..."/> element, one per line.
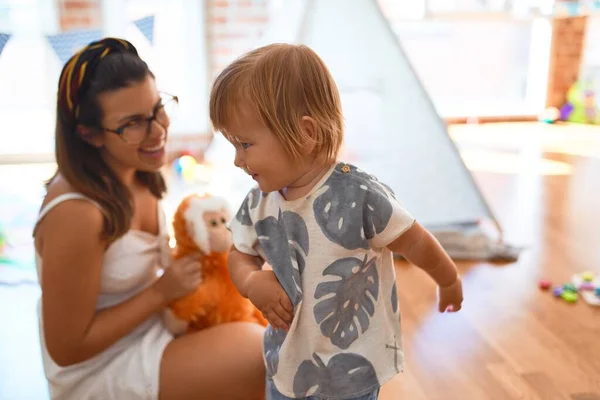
<point x="200" y="227"/>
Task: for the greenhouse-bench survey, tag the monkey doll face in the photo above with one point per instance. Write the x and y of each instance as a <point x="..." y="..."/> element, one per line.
<point x="219" y="236"/>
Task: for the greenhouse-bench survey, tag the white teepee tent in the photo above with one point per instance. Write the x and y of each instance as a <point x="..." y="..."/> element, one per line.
<point x="392" y="128"/>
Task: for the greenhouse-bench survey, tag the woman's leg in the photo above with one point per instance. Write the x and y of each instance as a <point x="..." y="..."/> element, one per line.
<point x="224" y="362"/>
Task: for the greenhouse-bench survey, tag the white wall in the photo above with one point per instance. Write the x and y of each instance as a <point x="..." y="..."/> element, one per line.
<point x="469" y="66"/>
<point x="28" y="76"/>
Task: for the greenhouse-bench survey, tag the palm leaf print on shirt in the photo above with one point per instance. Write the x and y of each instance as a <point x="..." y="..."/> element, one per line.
<point x="273" y="340"/>
<point x="285" y="243"/>
<point x="346" y="300"/>
<point x="351" y="208"/>
<point x="249" y="203"/>
<point x="344" y="374"/>
<point x="376" y="182"/>
<point x="395" y="298"/>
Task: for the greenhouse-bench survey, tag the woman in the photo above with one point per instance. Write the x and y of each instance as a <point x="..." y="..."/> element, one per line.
<point x="99" y="239"/>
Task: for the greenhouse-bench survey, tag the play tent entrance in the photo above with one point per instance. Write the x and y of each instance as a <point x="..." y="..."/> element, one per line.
<point x="392" y="127"/>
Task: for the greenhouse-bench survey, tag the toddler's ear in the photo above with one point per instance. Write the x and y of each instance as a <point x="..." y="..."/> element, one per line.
<point x="310" y="129"/>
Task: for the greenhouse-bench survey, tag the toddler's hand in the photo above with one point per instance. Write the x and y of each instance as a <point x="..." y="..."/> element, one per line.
<point x="450" y="297"/>
<point x="265" y="292"/>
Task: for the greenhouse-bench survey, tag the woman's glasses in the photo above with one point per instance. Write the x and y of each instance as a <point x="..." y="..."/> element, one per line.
<point x="135" y="130"/>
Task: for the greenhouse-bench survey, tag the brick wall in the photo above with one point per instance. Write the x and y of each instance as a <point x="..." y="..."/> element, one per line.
<point x="233" y="27"/>
<point x="568" y="41"/>
<point x="79" y="14"/>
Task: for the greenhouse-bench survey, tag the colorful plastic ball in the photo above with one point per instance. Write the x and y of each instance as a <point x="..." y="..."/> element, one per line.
<point x="569" y="287"/>
<point x="569" y="296"/>
<point x="550" y="115"/>
<point x="587" y="276"/>
<point x="544" y="284"/>
<point x="184" y="167"/>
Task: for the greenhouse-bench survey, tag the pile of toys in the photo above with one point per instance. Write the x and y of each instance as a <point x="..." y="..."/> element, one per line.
<point x="185" y="167"/>
<point x="190" y="170"/>
<point x="585" y="285"/>
<point x="581" y="106"/>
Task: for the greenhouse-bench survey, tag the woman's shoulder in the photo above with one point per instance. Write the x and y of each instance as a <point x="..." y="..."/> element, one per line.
<point x="69" y="213"/>
<point x="58" y="186"/>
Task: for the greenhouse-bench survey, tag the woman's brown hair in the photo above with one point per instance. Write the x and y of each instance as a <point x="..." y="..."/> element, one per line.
<point x="106" y="65"/>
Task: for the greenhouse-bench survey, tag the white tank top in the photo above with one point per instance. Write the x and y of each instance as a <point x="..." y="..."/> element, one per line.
<point x="130" y="264"/>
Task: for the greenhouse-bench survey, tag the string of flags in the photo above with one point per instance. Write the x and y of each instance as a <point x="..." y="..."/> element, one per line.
<point x="65" y="44"/>
<point x="146" y="26"/>
<point x="4" y="38"/>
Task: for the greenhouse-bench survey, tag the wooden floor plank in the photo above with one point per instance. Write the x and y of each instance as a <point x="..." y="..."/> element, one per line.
<point x="547" y="388"/>
<point x="513" y="383"/>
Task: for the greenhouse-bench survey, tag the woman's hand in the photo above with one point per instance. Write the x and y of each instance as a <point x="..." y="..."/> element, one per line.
<point x="180" y="279"/>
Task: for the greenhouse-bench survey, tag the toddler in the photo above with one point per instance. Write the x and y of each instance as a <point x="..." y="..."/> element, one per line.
<point x="327" y="229"/>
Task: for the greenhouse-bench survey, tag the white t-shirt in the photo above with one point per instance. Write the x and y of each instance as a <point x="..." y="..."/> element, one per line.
<point x="328" y="251"/>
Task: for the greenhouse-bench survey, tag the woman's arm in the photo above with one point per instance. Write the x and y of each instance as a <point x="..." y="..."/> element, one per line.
<point x="72" y="254"/>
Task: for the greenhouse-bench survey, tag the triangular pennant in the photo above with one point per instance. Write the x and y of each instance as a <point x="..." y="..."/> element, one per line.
<point x="146" y="26"/>
<point x="66" y="44"/>
<point x="4" y="37"/>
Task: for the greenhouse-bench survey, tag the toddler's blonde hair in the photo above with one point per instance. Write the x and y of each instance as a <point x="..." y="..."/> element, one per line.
<point x="280" y="84"/>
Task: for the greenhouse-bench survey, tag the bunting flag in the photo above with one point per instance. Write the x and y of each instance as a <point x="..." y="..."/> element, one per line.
<point x="146" y="26"/>
<point x="66" y="44"/>
<point x="4" y="37"/>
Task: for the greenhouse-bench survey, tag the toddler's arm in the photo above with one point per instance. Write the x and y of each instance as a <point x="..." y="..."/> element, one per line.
<point x="241" y="266"/>
<point x="422" y="249"/>
<point x="261" y="287"/>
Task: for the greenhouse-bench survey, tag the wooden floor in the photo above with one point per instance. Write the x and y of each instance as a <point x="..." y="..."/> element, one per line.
<point x="511" y="340"/>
